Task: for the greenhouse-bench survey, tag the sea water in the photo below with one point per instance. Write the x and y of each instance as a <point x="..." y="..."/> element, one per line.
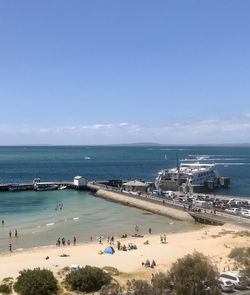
<point x="39" y="221"/>
<point x="83" y="215"/>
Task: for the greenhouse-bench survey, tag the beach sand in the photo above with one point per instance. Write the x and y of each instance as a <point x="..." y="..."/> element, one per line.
<point x="216" y="242"/>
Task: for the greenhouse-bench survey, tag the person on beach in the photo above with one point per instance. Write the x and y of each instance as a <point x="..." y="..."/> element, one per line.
<point x="68" y="242"/>
<point x="2" y="222"/>
<point x="58" y="243"/>
<point x="15" y="233"/>
<point x="161" y="238"/>
<point x="164" y="239"/>
<point x="112" y="240"/>
<point x="100" y="240"/>
<point x="63" y="241"/>
<point x="74" y="241"/>
<point x="91" y="239"/>
<point x="10" y="233"/>
<point x="10" y="247"/>
<point x="149" y="231"/>
<point x="136" y="228"/>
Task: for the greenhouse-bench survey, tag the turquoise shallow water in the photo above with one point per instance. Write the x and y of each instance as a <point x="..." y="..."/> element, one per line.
<point x="83" y="215"/>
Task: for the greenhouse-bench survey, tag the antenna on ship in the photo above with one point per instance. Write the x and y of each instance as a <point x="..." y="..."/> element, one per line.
<point x="178" y="169"/>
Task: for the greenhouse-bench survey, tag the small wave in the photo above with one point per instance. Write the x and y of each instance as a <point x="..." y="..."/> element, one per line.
<point x="87" y="158"/>
<point x="49" y="224"/>
<point x="19" y="249"/>
<point x="232" y="164"/>
<point x="75" y="218"/>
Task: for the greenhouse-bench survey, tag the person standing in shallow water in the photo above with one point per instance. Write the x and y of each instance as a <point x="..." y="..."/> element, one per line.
<point x="74" y="241"/>
<point x="15" y="233"/>
<point x="150" y="230"/>
<point x="10" y="233"/>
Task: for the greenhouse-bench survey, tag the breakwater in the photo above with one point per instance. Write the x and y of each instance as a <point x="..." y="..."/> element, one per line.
<point x="141" y="203"/>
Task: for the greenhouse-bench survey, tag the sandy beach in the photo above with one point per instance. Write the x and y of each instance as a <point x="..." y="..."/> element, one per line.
<point x="216" y="242"/>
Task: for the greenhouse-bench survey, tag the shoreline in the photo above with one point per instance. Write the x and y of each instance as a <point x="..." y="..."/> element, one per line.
<point x="216" y="242"/>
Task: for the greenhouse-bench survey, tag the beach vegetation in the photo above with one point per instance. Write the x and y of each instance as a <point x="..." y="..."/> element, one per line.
<point x="242" y="233"/>
<point x="193" y="274"/>
<point x="110" y="289"/>
<point x="139" y="287"/>
<point x="241" y="255"/>
<point x="87" y="279"/>
<point x="5" y="289"/>
<point x="36" y="282"/>
<point x="160" y="283"/>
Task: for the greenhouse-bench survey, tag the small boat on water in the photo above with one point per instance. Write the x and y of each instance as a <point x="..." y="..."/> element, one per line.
<point x="45" y="186"/>
<point x="62" y="187"/>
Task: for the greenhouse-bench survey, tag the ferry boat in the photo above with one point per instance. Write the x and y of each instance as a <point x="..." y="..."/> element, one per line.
<point x="191" y="177"/>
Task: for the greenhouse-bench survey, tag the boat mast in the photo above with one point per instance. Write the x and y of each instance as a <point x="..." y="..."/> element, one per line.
<point x="178" y="169"/>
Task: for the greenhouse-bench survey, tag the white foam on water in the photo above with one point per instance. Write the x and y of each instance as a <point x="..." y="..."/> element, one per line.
<point x="75" y="218"/>
<point x="49" y="224"/>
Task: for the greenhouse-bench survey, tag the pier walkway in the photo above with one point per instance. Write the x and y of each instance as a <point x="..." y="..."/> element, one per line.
<point x="198" y="214"/>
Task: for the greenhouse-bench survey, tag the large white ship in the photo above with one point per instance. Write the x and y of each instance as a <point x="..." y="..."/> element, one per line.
<point x="191" y="177"/>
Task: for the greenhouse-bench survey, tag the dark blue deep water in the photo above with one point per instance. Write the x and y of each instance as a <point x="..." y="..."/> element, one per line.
<point x="21" y="164"/>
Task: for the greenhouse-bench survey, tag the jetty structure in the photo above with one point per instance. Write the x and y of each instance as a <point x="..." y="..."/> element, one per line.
<point x="142" y="195"/>
<point x="148" y="204"/>
<point x="78" y="183"/>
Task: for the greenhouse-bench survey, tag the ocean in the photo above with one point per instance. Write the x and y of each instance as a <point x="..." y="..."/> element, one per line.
<point x="83" y="215"/>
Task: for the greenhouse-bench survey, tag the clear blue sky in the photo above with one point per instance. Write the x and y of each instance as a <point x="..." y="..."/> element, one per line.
<point x="86" y="72"/>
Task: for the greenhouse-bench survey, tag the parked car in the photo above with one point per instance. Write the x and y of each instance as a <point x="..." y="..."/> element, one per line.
<point x="235" y="211"/>
<point x="225" y="285"/>
<point x="236" y="278"/>
<point x="246" y="214"/>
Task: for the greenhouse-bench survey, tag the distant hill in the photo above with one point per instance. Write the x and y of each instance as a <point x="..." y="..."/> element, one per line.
<point x="139" y="144"/>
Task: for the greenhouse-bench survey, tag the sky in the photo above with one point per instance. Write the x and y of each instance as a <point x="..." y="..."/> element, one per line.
<point x="122" y="71"/>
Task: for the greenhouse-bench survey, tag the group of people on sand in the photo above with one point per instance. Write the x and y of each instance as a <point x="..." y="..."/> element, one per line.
<point x="123" y="247"/>
<point x="63" y="242"/>
<point x="148" y="264"/>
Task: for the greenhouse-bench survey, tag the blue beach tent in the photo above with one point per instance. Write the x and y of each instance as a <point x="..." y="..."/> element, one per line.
<point x="109" y="250"/>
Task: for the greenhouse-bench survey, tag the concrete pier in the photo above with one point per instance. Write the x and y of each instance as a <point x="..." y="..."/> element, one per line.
<point x="140" y="202"/>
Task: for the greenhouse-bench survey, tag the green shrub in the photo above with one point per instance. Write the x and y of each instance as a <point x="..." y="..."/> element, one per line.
<point x="160" y="282"/>
<point x="241" y="255"/>
<point x="87" y="279"/>
<point x="110" y="289"/>
<point x="140" y="287"/>
<point x="36" y="282"/>
<point x="193" y="275"/>
<point x="5" y="289"/>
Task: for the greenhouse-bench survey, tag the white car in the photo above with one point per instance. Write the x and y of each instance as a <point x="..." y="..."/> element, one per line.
<point x="237" y="279"/>
<point x="246" y="214"/>
<point x="225" y="285"/>
<point x="235" y="211"/>
<point x="74" y="266"/>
